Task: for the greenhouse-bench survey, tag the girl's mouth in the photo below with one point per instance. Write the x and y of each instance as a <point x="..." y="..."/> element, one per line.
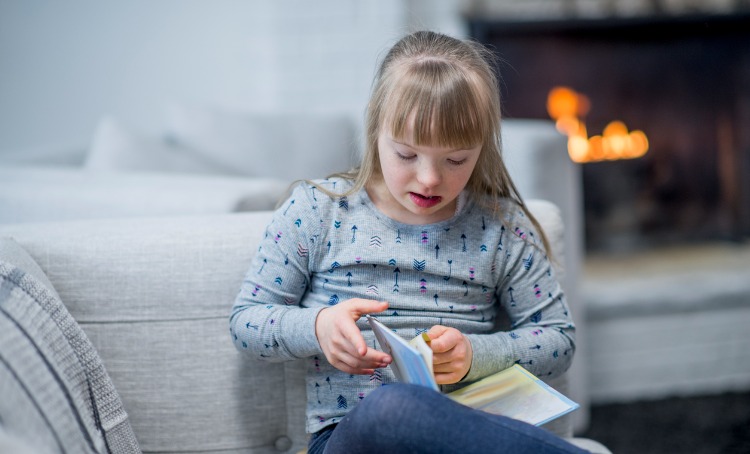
<point x="423" y="201"/>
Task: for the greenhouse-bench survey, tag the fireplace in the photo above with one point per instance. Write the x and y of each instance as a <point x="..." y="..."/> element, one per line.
<point x="682" y="80"/>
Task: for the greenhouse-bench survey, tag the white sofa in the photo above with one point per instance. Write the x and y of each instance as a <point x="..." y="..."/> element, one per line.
<point x="152" y="295"/>
<point x="192" y="194"/>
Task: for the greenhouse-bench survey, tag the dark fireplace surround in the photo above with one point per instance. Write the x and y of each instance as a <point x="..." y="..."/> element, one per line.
<point x="684" y="81"/>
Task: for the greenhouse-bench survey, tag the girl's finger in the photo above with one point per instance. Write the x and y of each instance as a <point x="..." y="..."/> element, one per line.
<point x="376" y="357"/>
<point x="444" y="339"/>
<point x="352" y="370"/>
<point x="443" y="358"/>
<point x="357" y="363"/>
<point x="436" y="332"/>
<point x="353" y="337"/>
<point x="358" y="307"/>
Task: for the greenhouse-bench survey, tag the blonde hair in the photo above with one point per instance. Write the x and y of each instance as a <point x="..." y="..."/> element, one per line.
<point x="447" y="88"/>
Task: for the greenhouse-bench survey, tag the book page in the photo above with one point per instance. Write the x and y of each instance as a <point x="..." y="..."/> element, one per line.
<point x="515" y="393"/>
<point x="420" y="344"/>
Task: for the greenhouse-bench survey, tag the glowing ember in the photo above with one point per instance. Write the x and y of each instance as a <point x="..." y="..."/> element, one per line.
<point x="567" y="107"/>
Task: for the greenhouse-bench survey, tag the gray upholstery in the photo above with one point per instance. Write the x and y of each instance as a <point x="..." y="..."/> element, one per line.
<point x="154" y="296"/>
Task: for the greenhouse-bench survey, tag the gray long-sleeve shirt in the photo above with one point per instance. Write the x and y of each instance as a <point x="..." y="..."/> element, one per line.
<point x="319" y="251"/>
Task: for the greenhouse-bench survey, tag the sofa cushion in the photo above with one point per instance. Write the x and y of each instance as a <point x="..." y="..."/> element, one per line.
<point x="154" y="297"/>
<point x="115" y="147"/>
<point x="54" y="392"/>
<point x="66" y="155"/>
<point x="280" y="145"/>
<point x="58" y="194"/>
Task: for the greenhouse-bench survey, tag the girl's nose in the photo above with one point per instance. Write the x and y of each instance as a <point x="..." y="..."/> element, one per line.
<point x="429" y="175"/>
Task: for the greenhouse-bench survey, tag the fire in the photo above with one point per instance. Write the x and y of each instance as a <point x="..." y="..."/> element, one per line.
<point x="567" y="107"/>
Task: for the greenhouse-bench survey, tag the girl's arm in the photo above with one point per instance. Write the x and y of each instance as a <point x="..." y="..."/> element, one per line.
<point x="541" y="337"/>
<point x="267" y="321"/>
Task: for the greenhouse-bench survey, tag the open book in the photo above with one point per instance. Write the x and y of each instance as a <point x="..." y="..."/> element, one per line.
<point x="513" y="392"/>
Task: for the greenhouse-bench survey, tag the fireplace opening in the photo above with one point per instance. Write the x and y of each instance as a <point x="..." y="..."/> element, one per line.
<point x="683" y="81"/>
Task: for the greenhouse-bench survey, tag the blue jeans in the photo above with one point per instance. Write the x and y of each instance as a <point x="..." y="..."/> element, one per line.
<point x="402" y="418"/>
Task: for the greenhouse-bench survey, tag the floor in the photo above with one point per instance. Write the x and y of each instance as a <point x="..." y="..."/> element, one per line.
<point x="697" y="425"/>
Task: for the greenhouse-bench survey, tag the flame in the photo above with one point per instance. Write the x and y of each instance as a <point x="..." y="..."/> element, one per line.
<point x="566" y="102"/>
<point x="567" y="107"/>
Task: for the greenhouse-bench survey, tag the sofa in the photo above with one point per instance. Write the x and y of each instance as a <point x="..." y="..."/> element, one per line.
<point x="152" y="296"/>
<point x="147" y="256"/>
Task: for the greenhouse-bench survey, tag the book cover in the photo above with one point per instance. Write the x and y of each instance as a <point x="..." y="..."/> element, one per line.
<point x="513" y="392"/>
<point x="409" y="365"/>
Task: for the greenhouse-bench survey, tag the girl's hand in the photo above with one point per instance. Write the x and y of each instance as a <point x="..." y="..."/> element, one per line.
<point x="341" y="340"/>
<point x="451" y="354"/>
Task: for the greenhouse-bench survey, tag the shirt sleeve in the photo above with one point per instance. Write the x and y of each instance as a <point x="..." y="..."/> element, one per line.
<point x="541" y="337"/>
<point x="267" y="320"/>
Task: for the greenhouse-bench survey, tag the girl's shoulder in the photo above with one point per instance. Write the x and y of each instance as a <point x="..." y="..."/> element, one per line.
<point x="512" y="217"/>
<point x="334" y="186"/>
<point x="524" y="228"/>
<point x="318" y="194"/>
<point x="504" y="210"/>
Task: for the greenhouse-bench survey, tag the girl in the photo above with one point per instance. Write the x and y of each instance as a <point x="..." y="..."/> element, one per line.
<point x="430" y="234"/>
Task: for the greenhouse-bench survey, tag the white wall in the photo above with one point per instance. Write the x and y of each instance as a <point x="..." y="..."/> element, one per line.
<point x="64" y="65"/>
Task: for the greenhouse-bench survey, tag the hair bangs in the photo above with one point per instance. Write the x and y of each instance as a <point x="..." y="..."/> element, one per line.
<point x="434" y="103"/>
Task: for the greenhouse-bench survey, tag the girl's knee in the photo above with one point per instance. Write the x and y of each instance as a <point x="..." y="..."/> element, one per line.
<point x="384" y="420"/>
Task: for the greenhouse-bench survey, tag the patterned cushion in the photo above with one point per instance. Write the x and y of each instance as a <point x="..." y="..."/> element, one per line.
<point x="278" y="145"/>
<point x="115" y="147"/>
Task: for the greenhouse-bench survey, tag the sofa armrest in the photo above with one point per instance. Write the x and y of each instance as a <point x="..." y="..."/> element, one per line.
<point x="537" y="160"/>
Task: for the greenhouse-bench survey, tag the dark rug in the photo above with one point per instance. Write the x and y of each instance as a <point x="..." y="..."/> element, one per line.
<point x="695" y="425"/>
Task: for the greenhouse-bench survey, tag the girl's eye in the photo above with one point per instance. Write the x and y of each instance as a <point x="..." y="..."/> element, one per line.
<point x="456" y="163"/>
<point x="405" y="158"/>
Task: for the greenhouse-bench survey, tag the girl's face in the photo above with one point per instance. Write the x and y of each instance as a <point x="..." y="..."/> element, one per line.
<point x="421" y="183"/>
